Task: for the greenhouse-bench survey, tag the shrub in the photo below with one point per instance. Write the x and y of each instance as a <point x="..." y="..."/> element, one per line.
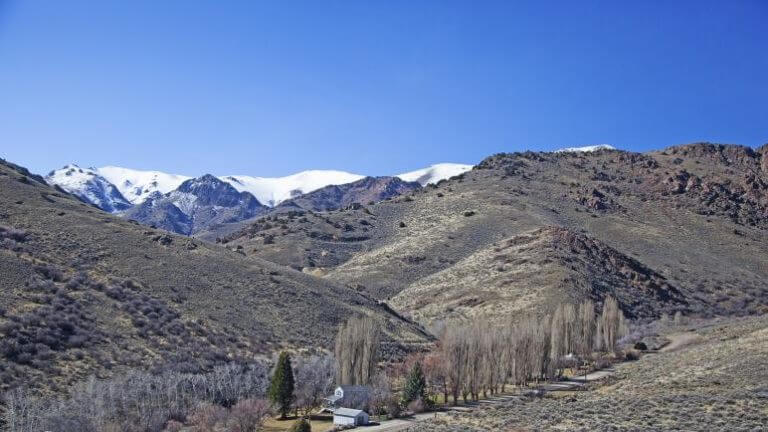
<point x="417" y="406"/>
<point x="301" y="425"/>
<point x="207" y="415"/>
<point x="173" y="426"/>
<point x="248" y="415"/>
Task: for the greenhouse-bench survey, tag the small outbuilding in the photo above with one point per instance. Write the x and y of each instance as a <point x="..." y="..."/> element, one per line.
<point x="349" y="416"/>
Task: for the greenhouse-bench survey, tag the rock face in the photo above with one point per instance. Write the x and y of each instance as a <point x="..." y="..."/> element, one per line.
<point x="368" y="189"/>
<point x="197" y="204"/>
<point x="89" y="186"/>
<point x="763" y="151"/>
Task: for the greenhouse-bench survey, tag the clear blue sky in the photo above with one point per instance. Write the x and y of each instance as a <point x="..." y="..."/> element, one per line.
<point x="374" y="87"/>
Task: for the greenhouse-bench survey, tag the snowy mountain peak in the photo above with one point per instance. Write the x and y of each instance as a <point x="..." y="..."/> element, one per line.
<point x="435" y="173"/>
<point x="274" y="190"/>
<point x="89" y="186"/>
<point x="137" y="185"/>
<point x="587" y="148"/>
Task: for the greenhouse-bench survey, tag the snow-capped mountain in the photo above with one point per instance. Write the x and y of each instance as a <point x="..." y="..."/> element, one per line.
<point x="274" y="190"/>
<point x="195" y="205"/>
<point x="587" y="148"/>
<point x="136" y="185"/>
<point x="89" y="186"/>
<point x="435" y="173"/>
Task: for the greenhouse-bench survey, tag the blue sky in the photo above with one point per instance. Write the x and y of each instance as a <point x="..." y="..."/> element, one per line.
<point x="374" y="87"/>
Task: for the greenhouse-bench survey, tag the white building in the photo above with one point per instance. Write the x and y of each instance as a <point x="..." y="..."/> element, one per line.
<point x="355" y="396"/>
<point x="349" y="416"/>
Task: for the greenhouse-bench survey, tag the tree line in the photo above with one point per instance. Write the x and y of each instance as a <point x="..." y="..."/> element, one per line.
<point x="481" y="357"/>
<point x="470" y="359"/>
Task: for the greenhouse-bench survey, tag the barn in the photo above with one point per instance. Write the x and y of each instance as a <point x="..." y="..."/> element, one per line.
<point x="349" y="416"/>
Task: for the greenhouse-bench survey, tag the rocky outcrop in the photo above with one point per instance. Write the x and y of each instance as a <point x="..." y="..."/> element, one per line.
<point x="363" y="191"/>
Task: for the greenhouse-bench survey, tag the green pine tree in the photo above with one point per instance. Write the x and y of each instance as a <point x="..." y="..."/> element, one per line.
<point x="281" y="387"/>
<point x="415" y="386"/>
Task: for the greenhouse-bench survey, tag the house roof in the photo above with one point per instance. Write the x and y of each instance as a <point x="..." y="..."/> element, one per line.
<point x="355" y="388"/>
<point x="347" y="412"/>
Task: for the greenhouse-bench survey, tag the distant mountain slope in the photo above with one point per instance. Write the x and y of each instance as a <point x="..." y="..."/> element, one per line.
<point x="137" y="185"/>
<point x="86" y="293"/>
<point x="195" y="205"/>
<point x="435" y="173"/>
<point x="363" y="191"/>
<point x="695" y="215"/>
<point x="273" y="191"/>
<point x="88" y="185"/>
<point x="587" y="148"/>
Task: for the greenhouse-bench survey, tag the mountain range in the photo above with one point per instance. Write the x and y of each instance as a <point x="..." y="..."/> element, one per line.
<point x="88" y="292"/>
<point x="187" y="205"/>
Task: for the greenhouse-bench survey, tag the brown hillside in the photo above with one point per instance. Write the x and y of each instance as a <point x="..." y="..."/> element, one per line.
<point x="84" y="292"/>
<point x="694" y="215"/>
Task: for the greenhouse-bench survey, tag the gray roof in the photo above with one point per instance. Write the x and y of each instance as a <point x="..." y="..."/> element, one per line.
<point x="355" y="388"/>
<point x="347" y="412"/>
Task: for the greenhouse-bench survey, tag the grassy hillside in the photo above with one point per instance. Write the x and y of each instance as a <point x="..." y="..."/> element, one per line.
<point x="690" y="220"/>
<point x="84" y="292"/>
<point x="717" y="383"/>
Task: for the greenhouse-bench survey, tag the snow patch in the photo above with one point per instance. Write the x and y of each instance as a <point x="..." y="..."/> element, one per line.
<point x="136" y="186"/>
<point x="435" y="173"/>
<point x="271" y="191"/>
<point x="587" y="148"/>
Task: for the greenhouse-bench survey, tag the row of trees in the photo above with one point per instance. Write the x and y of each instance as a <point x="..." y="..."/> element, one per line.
<point x="481" y="357"/>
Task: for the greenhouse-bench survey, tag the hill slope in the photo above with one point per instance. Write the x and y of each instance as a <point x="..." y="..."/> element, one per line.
<point x="693" y="217"/>
<point x="84" y="292"/>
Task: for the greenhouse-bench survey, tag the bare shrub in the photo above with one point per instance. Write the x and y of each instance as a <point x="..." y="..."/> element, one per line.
<point x="173" y="426"/>
<point x="206" y="416"/>
<point x="417" y="406"/>
<point x="248" y="415"/>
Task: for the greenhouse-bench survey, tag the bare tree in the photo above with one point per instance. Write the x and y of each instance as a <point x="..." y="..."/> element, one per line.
<point x="381" y="394"/>
<point x="454" y="351"/>
<point x="586" y="328"/>
<point x="437" y="374"/>
<point x="611" y="320"/>
<point x="558" y="344"/>
<point x="599" y="341"/>
<point x="357" y="351"/>
<point x="314" y="380"/>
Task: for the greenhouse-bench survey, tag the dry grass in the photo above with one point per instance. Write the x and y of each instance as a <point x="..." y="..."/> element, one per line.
<point x="714" y="384"/>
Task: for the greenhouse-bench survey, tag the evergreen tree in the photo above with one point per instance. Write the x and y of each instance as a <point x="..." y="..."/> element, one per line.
<point x="415" y="386"/>
<point x="281" y="387"/>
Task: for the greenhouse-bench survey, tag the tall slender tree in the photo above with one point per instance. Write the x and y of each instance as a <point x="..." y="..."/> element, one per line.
<point x="281" y="387"/>
<point x="357" y="351"/>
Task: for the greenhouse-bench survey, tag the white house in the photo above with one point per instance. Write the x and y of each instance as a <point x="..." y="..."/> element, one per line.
<point x="349" y="416"/>
<point x="356" y="396"/>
